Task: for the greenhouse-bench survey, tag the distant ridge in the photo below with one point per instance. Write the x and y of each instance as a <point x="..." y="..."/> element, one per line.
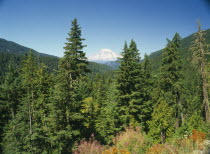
<point x="11" y="50"/>
<point x="17" y="49"/>
<point x="155" y="57"/>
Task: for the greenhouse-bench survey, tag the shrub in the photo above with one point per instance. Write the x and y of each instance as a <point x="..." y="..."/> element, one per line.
<point x="114" y="150"/>
<point x="91" y="146"/>
<point x="132" y="140"/>
<point x="188" y="144"/>
<point x="197" y="136"/>
<point x="160" y="148"/>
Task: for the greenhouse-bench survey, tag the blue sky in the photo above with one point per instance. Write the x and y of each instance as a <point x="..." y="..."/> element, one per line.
<point x="43" y="24"/>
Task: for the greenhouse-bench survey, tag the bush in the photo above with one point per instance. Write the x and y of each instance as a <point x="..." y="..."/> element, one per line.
<point x="91" y="146"/>
<point x="160" y="148"/>
<point x="188" y="144"/>
<point x="197" y="136"/>
<point x="114" y="150"/>
<point x="132" y="140"/>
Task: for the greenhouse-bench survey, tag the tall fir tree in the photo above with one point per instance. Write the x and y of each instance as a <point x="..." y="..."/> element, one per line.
<point x="11" y="90"/>
<point x="161" y="124"/>
<point x="26" y="132"/>
<point x="129" y="84"/>
<point x="146" y="88"/>
<point x="10" y="94"/>
<point x="74" y="60"/>
<point x="136" y="104"/>
<point x="169" y="82"/>
<point x="124" y="86"/>
<point x="200" y="49"/>
<point x="105" y="124"/>
<point x="67" y="119"/>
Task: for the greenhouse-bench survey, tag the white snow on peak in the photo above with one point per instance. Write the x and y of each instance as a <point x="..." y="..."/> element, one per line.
<point x="104" y="55"/>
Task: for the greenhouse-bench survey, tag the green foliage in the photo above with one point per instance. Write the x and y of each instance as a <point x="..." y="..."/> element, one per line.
<point x="105" y="124"/>
<point x="26" y="131"/>
<point x="98" y="68"/>
<point x="16" y="49"/>
<point x="170" y="78"/>
<point x="161" y="124"/>
<point x="10" y="94"/>
<point x="90" y="110"/>
<point x="132" y="140"/>
<point x="170" y="70"/>
<point x="128" y="84"/>
<point x="46" y="107"/>
<point x="200" y="49"/>
<point x="66" y="118"/>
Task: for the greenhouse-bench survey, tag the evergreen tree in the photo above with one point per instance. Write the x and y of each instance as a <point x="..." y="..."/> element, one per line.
<point x="106" y="119"/>
<point x="10" y="90"/>
<point x="161" y="124"/>
<point x="129" y="85"/>
<point x="136" y="104"/>
<point x="169" y="82"/>
<point x="66" y="117"/>
<point x="74" y="61"/>
<point x="19" y="136"/>
<point x="10" y="94"/>
<point x="26" y="132"/>
<point x="200" y="49"/>
<point x="92" y="104"/>
<point x="146" y="88"/>
<point x="44" y="84"/>
<point x="124" y="86"/>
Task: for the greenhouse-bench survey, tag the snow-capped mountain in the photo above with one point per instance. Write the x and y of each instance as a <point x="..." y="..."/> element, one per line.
<point x="103" y="56"/>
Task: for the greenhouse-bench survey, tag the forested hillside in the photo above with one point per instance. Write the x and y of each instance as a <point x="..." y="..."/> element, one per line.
<point x="50" y="61"/>
<point x="69" y="105"/>
<point x="155" y="57"/>
<point x="16" y="49"/>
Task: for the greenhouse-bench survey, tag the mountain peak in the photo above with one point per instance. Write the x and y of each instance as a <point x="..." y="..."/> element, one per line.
<point x="104" y="55"/>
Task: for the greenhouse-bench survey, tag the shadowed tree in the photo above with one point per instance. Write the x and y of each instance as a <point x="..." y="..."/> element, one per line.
<point x="200" y="49"/>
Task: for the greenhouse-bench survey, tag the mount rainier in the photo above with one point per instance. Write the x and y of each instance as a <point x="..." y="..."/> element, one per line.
<point x="103" y="56"/>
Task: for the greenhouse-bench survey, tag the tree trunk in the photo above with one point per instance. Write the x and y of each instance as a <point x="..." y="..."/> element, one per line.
<point x="30" y="118"/>
<point x="177" y="122"/>
<point x="204" y="85"/>
<point x="182" y="117"/>
<point x="179" y="114"/>
<point x="162" y="135"/>
<point x="205" y="99"/>
<point x="13" y="113"/>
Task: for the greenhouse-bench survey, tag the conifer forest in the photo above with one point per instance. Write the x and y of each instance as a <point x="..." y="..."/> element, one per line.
<point x="149" y="104"/>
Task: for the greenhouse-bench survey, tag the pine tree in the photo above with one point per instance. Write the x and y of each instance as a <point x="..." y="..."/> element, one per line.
<point x="44" y="84"/>
<point x="128" y="84"/>
<point x="161" y="124"/>
<point x="10" y="90"/>
<point x="74" y="61"/>
<point x="19" y="136"/>
<point x="169" y="82"/>
<point x="66" y="118"/>
<point x="10" y="94"/>
<point x="146" y="88"/>
<point x="27" y="131"/>
<point x="136" y="104"/>
<point x="124" y="86"/>
<point x="200" y="49"/>
<point x="105" y="123"/>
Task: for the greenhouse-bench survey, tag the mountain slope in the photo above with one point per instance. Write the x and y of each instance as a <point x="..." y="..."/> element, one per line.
<point x="12" y="51"/>
<point x="14" y="48"/>
<point x="155" y="57"/>
<point x="113" y="64"/>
